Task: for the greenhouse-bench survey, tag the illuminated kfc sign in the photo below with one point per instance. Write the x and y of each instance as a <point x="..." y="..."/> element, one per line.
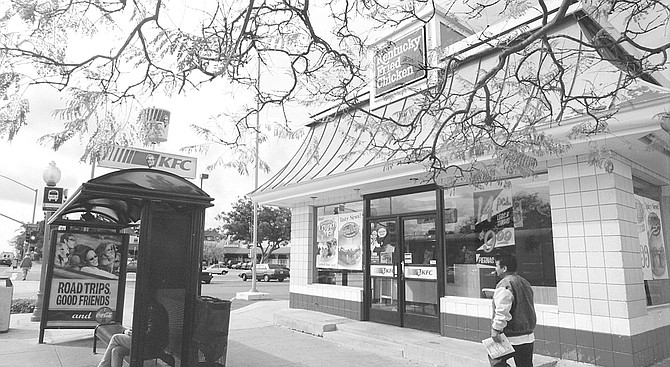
<point x="401" y="62"/>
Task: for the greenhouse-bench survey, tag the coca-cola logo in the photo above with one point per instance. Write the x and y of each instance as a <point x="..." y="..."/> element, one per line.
<point x="104" y="315"/>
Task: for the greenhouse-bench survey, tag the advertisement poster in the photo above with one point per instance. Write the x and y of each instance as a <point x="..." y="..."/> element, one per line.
<point x="83" y="282"/>
<point x="340" y="241"/>
<point x="650" y="233"/>
<point x="350" y="241"/>
<point x="494" y="221"/>
<point x="326" y="241"/>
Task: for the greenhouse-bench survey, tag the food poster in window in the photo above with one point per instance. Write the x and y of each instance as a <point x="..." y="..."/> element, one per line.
<point x="350" y="241"/>
<point x="83" y="280"/>
<point x="494" y="223"/>
<point x="326" y="241"/>
<point x="650" y="233"/>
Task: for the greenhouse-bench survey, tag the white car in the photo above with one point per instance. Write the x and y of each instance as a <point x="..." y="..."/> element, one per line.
<point x="217" y="269"/>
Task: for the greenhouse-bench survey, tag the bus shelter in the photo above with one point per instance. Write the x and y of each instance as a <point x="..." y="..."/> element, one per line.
<point x="95" y="222"/>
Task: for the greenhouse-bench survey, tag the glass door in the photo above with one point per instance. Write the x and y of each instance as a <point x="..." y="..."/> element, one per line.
<point x="384" y="276"/>
<point x="419" y="261"/>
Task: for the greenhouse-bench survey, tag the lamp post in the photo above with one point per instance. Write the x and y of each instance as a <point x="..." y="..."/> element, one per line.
<point x="51" y="175"/>
<point x="203" y="176"/>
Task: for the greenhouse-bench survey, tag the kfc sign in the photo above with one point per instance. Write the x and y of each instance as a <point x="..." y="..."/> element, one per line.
<point x="127" y="157"/>
<point x="400" y="62"/>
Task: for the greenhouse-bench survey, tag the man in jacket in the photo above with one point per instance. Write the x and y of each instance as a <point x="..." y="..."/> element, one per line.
<point x="26" y="265"/>
<point x="513" y="313"/>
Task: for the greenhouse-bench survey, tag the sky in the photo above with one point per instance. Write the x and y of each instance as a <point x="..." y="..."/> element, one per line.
<point x="24" y="160"/>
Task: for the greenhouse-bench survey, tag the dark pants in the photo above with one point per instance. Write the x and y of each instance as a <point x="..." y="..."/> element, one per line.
<point x="523" y="357"/>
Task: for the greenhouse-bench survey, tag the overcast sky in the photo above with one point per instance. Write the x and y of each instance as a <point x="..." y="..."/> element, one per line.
<point x="24" y="160"/>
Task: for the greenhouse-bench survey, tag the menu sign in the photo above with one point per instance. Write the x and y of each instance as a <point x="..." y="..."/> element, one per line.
<point x="340" y="241"/>
<point x="650" y="233"/>
<point x="400" y="62"/>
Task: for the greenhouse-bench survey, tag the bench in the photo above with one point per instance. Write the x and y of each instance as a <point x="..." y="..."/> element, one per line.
<point x="105" y="333"/>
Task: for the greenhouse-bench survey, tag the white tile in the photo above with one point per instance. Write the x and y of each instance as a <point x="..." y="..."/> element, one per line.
<point x="620" y="326"/>
<point x="582" y="306"/>
<point x="563" y="274"/>
<point x="615" y="276"/>
<point x="575" y="229"/>
<point x="567" y="320"/>
<point x="597" y="275"/>
<point x="571" y="185"/>
<point x="588" y="183"/>
<point x="599" y="307"/>
<point x="584" y="322"/>
<point x="595" y="260"/>
<point x="592" y="228"/>
<point x="580" y="275"/>
<point x="570" y="170"/>
<point x="607" y="196"/>
<point x="594" y="243"/>
<point x="609" y="211"/>
<point x="612" y="243"/>
<point x="573" y="214"/>
<point x="564" y="289"/>
<point x="580" y="290"/>
<point x="578" y="259"/>
<point x="555" y="173"/>
<point x="598" y="291"/>
<point x="573" y="199"/>
<point x="590" y="213"/>
<point x="562" y="259"/>
<point x="550" y="319"/>
<point x="561" y="244"/>
<point x="577" y="244"/>
<point x="589" y="198"/>
<point x="559" y="229"/>
<point x="586" y="169"/>
<point x="558" y="216"/>
<point x="610" y="227"/>
<point x="556" y="187"/>
<point x="557" y="201"/>
<point x="566" y="304"/>
<point x="601" y="324"/>
<point x="605" y="180"/>
<point x="613" y="260"/>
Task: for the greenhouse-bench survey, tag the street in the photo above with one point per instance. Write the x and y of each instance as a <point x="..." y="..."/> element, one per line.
<point x="222" y="286"/>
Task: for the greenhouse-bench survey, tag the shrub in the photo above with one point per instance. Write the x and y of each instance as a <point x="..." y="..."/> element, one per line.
<point x="23" y="305"/>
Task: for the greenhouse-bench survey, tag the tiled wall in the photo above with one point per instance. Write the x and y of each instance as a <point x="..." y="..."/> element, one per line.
<point x="334" y="306"/>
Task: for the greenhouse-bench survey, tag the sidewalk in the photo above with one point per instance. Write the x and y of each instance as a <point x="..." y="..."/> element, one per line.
<point x="269" y="334"/>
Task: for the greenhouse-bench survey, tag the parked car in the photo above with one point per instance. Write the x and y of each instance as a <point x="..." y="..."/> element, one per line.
<point x="205" y="277"/>
<point x="217" y="269"/>
<point x="131" y="267"/>
<point x="5" y="261"/>
<point x="266" y="272"/>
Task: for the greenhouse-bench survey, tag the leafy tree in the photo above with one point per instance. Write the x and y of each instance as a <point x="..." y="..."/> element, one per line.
<point x="134" y="49"/>
<point x="18" y="242"/>
<point x="274" y="225"/>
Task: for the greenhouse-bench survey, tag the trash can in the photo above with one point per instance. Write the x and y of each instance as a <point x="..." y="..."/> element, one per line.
<point x="210" y="334"/>
<point x="6" y="295"/>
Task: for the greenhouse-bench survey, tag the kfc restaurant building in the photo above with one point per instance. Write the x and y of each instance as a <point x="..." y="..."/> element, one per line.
<point x="378" y="241"/>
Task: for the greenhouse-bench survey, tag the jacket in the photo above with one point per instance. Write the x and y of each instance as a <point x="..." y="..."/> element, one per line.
<point x="26" y="263"/>
<point x="513" y="307"/>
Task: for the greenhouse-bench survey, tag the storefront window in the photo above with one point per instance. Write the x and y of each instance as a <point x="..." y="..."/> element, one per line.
<point x="479" y="223"/>
<point x="339" y="242"/>
<point x="653" y="250"/>
<point x="409" y="203"/>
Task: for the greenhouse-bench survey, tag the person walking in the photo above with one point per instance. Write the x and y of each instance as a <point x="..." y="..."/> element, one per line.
<point x="26" y="265"/>
<point x="513" y="313"/>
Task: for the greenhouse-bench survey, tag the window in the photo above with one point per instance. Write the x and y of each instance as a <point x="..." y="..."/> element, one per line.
<point x="653" y="251"/>
<point x="339" y="244"/>
<point x="479" y="223"/>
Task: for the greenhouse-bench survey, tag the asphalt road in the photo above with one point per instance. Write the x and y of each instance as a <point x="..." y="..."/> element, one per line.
<point x="222" y="286"/>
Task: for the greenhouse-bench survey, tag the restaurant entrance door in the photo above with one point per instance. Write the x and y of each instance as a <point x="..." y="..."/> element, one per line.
<point x="403" y="286"/>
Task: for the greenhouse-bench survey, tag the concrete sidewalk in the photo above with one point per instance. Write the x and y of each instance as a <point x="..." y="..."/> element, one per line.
<point x="269" y="334"/>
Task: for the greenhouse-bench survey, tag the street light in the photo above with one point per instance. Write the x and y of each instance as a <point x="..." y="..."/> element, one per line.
<point x="51" y="175"/>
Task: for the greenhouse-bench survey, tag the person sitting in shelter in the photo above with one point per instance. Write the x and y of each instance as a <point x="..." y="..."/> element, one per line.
<point x="155" y="338"/>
